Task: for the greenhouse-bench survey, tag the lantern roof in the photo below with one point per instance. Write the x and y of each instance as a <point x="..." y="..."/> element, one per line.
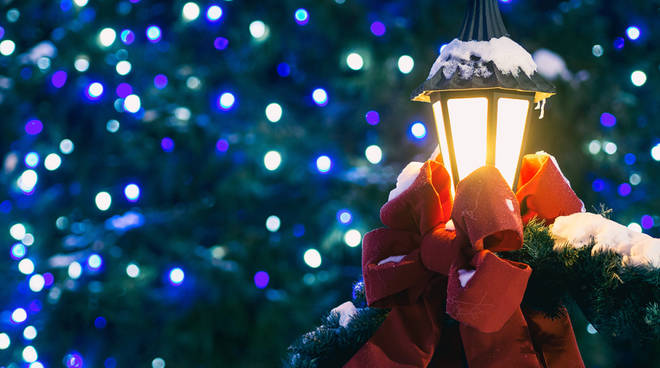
<point x="483" y="57"/>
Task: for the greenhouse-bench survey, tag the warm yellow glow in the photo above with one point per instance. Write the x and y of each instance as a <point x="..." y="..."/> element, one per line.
<point x="511" y="119"/>
<point x="442" y="135"/>
<point x="468" y="118"/>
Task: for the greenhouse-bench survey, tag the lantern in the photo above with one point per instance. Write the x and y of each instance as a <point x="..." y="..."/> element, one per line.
<point x="483" y="87"/>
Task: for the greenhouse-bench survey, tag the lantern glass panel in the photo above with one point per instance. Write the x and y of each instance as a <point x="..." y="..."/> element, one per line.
<point x="468" y="119"/>
<point x="442" y="136"/>
<point x="511" y="119"/>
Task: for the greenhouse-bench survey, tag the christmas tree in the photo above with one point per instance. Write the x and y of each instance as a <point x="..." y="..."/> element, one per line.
<point x="186" y="184"/>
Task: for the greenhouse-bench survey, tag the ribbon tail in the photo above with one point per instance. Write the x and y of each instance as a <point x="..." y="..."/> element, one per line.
<point x="554" y="340"/>
<point x="511" y="346"/>
<point x="406" y="339"/>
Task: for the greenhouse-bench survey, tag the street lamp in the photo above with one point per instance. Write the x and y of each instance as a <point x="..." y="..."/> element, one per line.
<point x="483" y="87"/>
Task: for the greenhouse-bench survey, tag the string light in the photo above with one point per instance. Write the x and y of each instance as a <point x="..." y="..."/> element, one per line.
<point x="81" y="63"/>
<point x="74" y="270"/>
<point x="378" y="28"/>
<point x="34" y="127"/>
<point x="610" y="148"/>
<point x="635" y="179"/>
<point x="32" y="159"/>
<point x="647" y="222"/>
<point x="58" y="79"/>
<point x="132" y="103"/>
<point x="127" y="36"/>
<point x="633" y="33"/>
<point x="594" y="147"/>
<point x="30" y="354"/>
<point x="5" y="341"/>
<point x="17" y="231"/>
<point x="123" y="67"/>
<point x="258" y="30"/>
<point x="655" y="152"/>
<point x="301" y="16"/>
<point x="27" y="181"/>
<point x="36" y="283"/>
<point x="372" y="117"/>
<point x="19" y="315"/>
<point x="112" y="126"/>
<point x="94" y="262"/>
<point x="261" y="279"/>
<point x="607" y="120"/>
<point x="132" y="270"/>
<point x="344" y="217"/>
<point x="7" y="47"/>
<point x="132" y="192"/>
<point x="30" y="333"/>
<point x="94" y="91"/>
<point x="418" y="130"/>
<point x="18" y="251"/>
<point x="153" y="33"/>
<point x="226" y="101"/>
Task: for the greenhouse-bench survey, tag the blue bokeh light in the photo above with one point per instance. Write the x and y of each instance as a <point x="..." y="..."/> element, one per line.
<point x="176" y="276"/>
<point x="100" y="322"/>
<point x="607" y="120"/>
<point x="220" y="43"/>
<point x="598" y="185"/>
<point x="153" y="34"/>
<point x="226" y="101"/>
<point x="283" y="69"/>
<point x="647" y="222"/>
<point x="123" y="90"/>
<point x="167" y="144"/>
<point x="94" y="91"/>
<point x="58" y="79"/>
<point x="127" y="36"/>
<point x="298" y="230"/>
<point x="372" y="117"/>
<point x="18" y="251"/>
<point x="34" y="127"/>
<point x="222" y="145"/>
<point x="629" y="158"/>
<point x="624" y="189"/>
<point x="74" y="360"/>
<point x="619" y="42"/>
<point x="261" y="279"/>
<point x="94" y="262"/>
<point x="344" y="217"/>
<point x="32" y="159"/>
<point x="160" y="81"/>
<point x="302" y="16"/>
<point x="378" y="28"/>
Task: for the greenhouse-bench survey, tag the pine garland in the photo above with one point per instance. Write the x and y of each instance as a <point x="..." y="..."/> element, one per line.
<point x="621" y="301"/>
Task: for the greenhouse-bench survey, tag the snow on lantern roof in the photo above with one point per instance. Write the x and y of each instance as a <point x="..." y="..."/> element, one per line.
<point x="483" y="57"/>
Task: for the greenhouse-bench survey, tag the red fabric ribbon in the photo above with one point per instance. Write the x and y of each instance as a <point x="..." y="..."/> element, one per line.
<point x="425" y="284"/>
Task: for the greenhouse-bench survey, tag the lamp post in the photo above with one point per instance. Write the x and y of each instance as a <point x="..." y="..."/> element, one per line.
<point x="483" y="87"/>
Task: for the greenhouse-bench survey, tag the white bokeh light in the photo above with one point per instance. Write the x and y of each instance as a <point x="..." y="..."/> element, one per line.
<point x="17" y="231"/>
<point x="610" y="148"/>
<point x="30" y="354"/>
<point x="323" y="164"/>
<point x="107" y="37"/>
<point x="52" y="162"/>
<point x="5" y="341"/>
<point x="37" y="283"/>
<point x="123" y="67"/>
<point x="258" y="30"/>
<point x="66" y="146"/>
<point x="638" y="78"/>
<point x="354" y="61"/>
<point x="19" y="315"/>
<point x="81" y="63"/>
<point x="635" y="227"/>
<point x="103" y="201"/>
<point x="406" y="64"/>
<point x="352" y="238"/>
<point x="274" y="112"/>
<point x="132" y="270"/>
<point x="312" y="258"/>
<point x="272" y="160"/>
<point x="132" y="103"/>
<point x="373" y="154"/>
<point x="655" y="152"/>
<point x="26" y="266"/>
<point x="29" y="333"/>
<point x="7" y="47"/>
<point x="594" y="147"/>
<point x="190" y="11"/>
<point x="74" y="270"/>
<point x="27" y="181"/>
<point x="273" y="223"/>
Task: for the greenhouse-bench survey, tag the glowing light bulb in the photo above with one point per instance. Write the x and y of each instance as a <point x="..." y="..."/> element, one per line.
<point x="272" y="160"/>
<point x="406" y="64"/>
<point x="312" y="258"/>
<point x="373" y="154"/>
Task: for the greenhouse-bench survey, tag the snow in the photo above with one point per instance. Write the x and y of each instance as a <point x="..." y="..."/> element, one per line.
<point x="550" y="65"/>
<point x="582" y="229"/>
<point x="465" y="275"/>
<point x="346" y="312"/>
<point x="469" y="58"/>
<point x="395" y="259"/>
<point x="406" y="179"/>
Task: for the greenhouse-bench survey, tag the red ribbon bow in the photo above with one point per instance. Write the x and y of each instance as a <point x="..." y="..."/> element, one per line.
<point x="425" y="284"/>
